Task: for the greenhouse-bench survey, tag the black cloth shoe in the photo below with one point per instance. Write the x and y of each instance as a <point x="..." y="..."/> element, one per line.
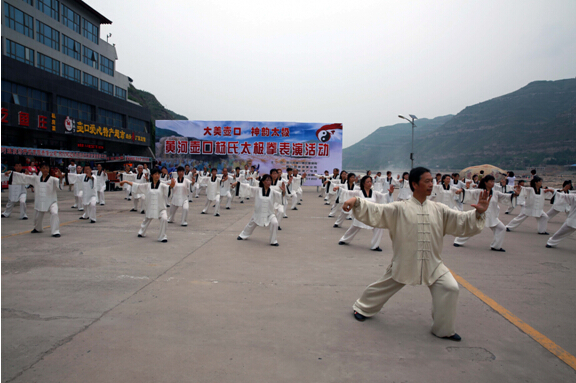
<point x="81" y="217"/>
<point x="548" y="246"/>
<point x="24" y="217"/>
<point x="279" y="228"/>
<point x="294" y="208"/>
<point x="227" y="208"/>
<point x="140" y="236"/>
<point x="359" y="317"/>
<point x="164" y="240"/>
<point x="335" y="225"/>
<point x="132" y="209"/>
<point x="3" y="216"/>
<point x="216" y="215"/>
<point x="341" y="243"/>
<point x="142" y="212"/>
<point x="376" y="249"/>
<point x="457" y="245"/>
<point x="241" y="201"/>
<point x="349" y="219"/>
<point x="299" y="203"/>
<point x="508" y="229"/>
<point x="203" y="212"/>
<point x="275" y="244"/>
<point x="92" y="221"/>
<point x="239" y="238"/>
<point x="500" y="249"/>
<point x="545" y="233"/>
<point x="34" y="231"/>
<point x="506" y="213"/>
<point x="455" y="337"/>
<point x="56" y="235"/>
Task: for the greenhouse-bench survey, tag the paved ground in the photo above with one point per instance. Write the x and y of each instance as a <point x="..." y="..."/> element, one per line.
<point x="101" y="305"/>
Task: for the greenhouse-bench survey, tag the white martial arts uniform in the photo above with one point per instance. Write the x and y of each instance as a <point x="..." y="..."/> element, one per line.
<point x="459" y="198"/>
<point x="279" y="207"/>
<point x="188" y="176"/>
<point x="404" y="186"/>
<point x="492" y="214"/>
<point x="559" y="205"/>
<point x="445" y="194"/>
<point x="16" y="194"/>
<point x="45" y="198"/>
<point x="331" y="197"/>
<point x="127" y="176"/>
<point x="196" y="186"/>
<point x="343" y="195"/>
<point x="264" y="211"/>
<point x="239" y="178"/>
<point x="225" y="191"/>
<point x="533" y="207"/>
<point x="166" y="179"/>
<point x="372" y="196"/>
<point x="101" y="178"/>
<point x="88" y="187"/>
<point x="180" y="199"/>
<point x="417" y="231"/>
<point x="212" y="193"/>
<point x="155" y="203"/>
<point x="77" y="191"/>
<point x="569" y="226"/>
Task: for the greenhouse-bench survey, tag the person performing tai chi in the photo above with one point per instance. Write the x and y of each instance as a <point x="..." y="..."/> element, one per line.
<point x="343" y="190"/>
<point x="446" y="192"/>
<point x="212" y="191"/>
<point x="77" y="190"/>
<point x="533" y="206"/>
<point x="337" y="207"/>
<point x="459" y="197"/>
<point x="405" y="188"/>
<point x="86" y="182"/>
<point x="225" y="183"/>
<point x="558" y="204"/>
<point x="417" y="228"/>
<point x="279" y="185"/>
<point x="45" y="197"/>
<point x="569" y="226"/>
<point x="296" y="188"/>
<point x="368" y="194"/>
<point x="139" y="198"/>
<point x="16" y="194"/>
<point x="492" y="213"/>
<point x="266" y="200"/>
<point x="180" y="191"/>
<point x="101" y="178"/>
<point x="155" y="194"/>
<point x="238" y="178"/>
<point x="127" y="175"/>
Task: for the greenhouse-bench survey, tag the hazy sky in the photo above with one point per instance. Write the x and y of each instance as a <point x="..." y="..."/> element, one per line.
<point x="360" y="63"/>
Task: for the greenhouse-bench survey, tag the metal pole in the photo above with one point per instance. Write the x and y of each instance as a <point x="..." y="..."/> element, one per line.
<point x="412" y="154"/>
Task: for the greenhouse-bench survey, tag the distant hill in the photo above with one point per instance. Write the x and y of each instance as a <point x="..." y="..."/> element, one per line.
<point x="389" y="146"/>
<point x="148" y="100"/>
<point x="535" y="125"/>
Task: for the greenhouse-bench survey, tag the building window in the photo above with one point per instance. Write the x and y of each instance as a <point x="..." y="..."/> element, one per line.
<point x="71" y="73"/>
<point x="49" y="7"/>
<point x="90" y="57"/>
<point x="47" y="35"/>
<point x="90" y="81"/>
<point x="106" y="87"/>
<point x="120" y="93"/>
<point x="71" y="19"/>
<point x="106" y="65"/>
<point x="110" y="118"/>
<point x="19" y="52"/>
<point x="29" y="2"/>
<point x="24" y="96"/>
<point x="137" y="125"/>
<point x="48" y="64"/>
<point x="90" y="31"/>
<point x="70" y="47"/>
<point x="75" y="109"/>
<point x="18" y="20"/>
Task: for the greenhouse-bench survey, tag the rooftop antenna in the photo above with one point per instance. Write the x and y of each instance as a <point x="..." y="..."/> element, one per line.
<point x="107" y="36"/>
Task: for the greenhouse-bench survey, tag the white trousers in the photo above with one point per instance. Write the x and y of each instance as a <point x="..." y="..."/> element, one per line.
<point x="499" y="231"/>
<point x="101" y="199"/>
<point x="542" y="222"/>
<point x="458" y="205"/>
<point x="552" y="213"/>
<point x="10" y="206"/>
<point x="209" y="202"/>
<point x="353" y="230"/>
<point x="90" y="209"/>
<point x="128" y="191"/>
<point x="335" y="208"/>
<point x="173" y="210"/>
<point x="196" y="189"/>
<point x="444" y="299"/>
<point x="341" y="218"/>
<point x="163" y="223"/>
<point x="228" y="197"/>
<point x="139" y="201"/>
<point x="563" y="232"/>
<point x="249" y="229"/>
<point x="280" y="214"/>
<point x="295" y="198"/>
<point x="54" y="219"/>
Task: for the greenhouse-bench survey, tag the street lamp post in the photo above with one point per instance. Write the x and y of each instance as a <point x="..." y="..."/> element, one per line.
<point x="413" y="117"/>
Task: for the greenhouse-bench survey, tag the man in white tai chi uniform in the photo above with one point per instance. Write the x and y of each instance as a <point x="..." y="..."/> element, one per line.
<point x="16" y="194"/>
<point x="417" y="227"/>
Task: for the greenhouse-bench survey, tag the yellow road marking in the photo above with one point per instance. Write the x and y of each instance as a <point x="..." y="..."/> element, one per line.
<point x="62" y="224"/>
<point x="548" y="344"/>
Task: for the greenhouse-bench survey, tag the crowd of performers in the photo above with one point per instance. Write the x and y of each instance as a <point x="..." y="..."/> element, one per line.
<point x="450" y="190"/>
<point x="425" y="210"/>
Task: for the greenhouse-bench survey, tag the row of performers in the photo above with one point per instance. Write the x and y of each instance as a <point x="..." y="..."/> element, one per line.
<point x="155" y="191"/>
<point x="452" y="192"/>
